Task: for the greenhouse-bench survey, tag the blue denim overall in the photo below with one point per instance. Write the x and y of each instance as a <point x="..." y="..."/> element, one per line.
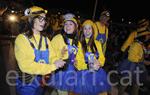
<point x="89" y="58"/>
<point x="91" y="82"/>
<point x="60" y="80"/>
<point x="34" y="87"/>
<point x="101" y="38"/>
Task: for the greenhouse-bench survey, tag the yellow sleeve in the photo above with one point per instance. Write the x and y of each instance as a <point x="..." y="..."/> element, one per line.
<point x="58" y="44"/>
<point x="129" y="41"/>
<point x="95" y="30"/>
<point x="101" y="58"/>
<point x="53" y="56"/>
<point x="135" y="53"/>
<point x="104" y="47"/>
<point x="25" y="58"/>
<point x="81" y="65"/>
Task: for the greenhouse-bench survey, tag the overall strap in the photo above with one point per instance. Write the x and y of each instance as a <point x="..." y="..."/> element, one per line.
<point x="32" y="45"/>
<point x="40" y="43"/>
<point x="46" y="43"/>
<point x="96" y="51"/>
<point x="68" y="42"/>
<point x="99" y="30"/>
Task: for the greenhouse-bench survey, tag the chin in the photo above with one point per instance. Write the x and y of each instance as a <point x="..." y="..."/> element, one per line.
<point x="41" y="29"/>
<point x="69" y="32"/>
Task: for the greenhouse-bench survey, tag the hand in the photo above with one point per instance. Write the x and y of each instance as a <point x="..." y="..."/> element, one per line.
<point x="59" y="63"/>
<point x="75" y="62"/>
<point x="63" y="51"/>
<point x="96" y="64"/>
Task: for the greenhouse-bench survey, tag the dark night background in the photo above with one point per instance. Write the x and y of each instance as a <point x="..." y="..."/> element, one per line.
<point x="128" y="9"/>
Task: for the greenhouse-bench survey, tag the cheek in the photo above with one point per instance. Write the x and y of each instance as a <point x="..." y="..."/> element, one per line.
<point x="64" y="28"/>
<point x="84" y="32"/>
<point x="35" y="25"/>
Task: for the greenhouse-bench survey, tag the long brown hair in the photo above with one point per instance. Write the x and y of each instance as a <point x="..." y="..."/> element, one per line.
<point x="28" y="28"/>
<point x="90" y="44"/>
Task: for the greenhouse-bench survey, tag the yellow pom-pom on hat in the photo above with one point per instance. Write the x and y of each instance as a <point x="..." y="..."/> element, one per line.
<point x="33" y="11"/>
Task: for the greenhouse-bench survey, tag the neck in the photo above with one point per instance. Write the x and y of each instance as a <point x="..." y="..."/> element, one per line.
<point x="71" y="36"/>
<point x="35" y="32"/>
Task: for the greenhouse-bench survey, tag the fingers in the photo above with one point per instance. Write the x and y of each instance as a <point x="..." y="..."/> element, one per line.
<point x="59" y="63"/>
<point x="63" y="51"/>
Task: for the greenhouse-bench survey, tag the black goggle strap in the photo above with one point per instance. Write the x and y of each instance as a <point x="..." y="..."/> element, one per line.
<point x="46" y="43"/>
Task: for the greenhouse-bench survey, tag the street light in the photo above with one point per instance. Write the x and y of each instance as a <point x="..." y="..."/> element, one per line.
<point x="12" y="18"/>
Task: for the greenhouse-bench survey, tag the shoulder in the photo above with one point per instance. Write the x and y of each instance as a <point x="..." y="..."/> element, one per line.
<point x="97" y="23"/>
<point x="136" y="45"/>
<point x="20" y="37"/>
<point x="58" y="37"/>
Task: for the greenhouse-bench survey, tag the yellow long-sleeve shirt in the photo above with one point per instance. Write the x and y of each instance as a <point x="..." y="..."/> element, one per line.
<point x="102" y="29"/>
<point x="24" y="54"/>
<point x="135" y="53"/>
<point x="58" y="43"/>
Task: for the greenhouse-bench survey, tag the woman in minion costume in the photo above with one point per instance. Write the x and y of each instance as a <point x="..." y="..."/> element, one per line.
<point x="68" y="48"/>
<point x="102" y="25"/>
<point x="92" y="80"/>
<point x="34" y="54"/>
<point x="134" y="62"/>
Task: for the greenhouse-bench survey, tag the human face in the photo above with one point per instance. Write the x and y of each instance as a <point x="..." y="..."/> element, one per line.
<point x="69" y="27"/>
<point x="87" y="29"/>
<point x="39" y="22"/>
<point x="105" y="19"/>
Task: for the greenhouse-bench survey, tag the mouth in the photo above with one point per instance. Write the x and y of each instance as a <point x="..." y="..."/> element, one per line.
<point x="42" y="26"/>
<point x="88" y="33"/>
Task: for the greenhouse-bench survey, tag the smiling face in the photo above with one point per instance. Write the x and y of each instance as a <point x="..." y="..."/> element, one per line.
<point x="69" y="27"/>
<point x="39" y="22"/>
<point x="87" y="29"/>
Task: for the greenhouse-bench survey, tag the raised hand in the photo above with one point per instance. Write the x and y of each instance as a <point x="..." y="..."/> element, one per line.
<point x="96" y="64"/>
<point x="63" y="51"/>
<point x="59" y="63"/>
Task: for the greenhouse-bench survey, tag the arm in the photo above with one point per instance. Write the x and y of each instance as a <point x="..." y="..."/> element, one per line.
<point x="101" y="58"/>
<point x="128" y="42"/>
<point x="80" y="62"/>
<point x="58" y="45"/>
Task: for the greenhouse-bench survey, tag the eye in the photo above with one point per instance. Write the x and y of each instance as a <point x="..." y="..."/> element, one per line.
<point x="27" y="12"/>
<point x="41" y="18"/>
